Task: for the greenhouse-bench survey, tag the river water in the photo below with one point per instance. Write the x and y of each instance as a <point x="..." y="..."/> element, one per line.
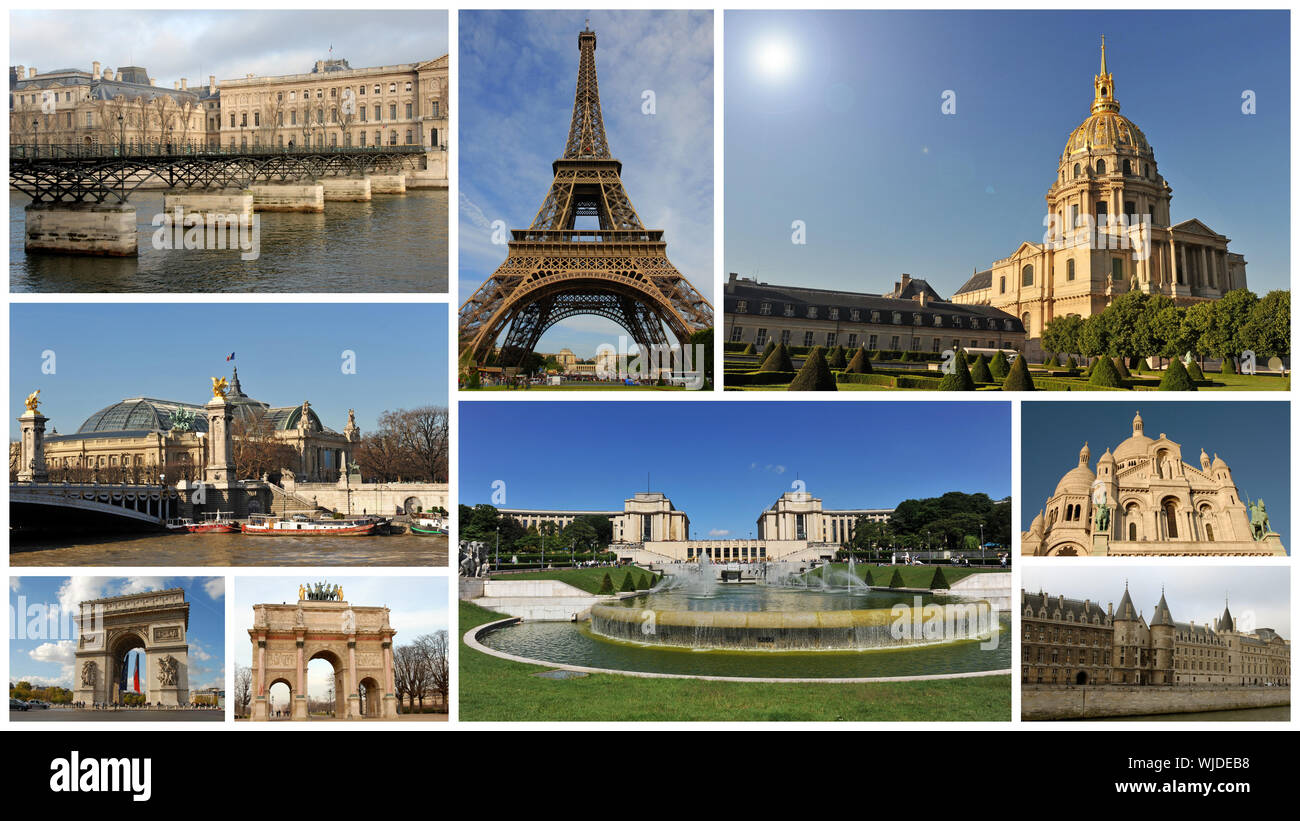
<point x="392" y="244"/>
<point x="230" y="550"/>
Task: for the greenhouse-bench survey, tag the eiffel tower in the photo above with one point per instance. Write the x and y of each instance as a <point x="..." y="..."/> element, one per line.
<point x="552" y="271"/>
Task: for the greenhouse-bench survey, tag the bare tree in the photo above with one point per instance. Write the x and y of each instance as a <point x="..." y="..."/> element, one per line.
<point x="257" y="451"/>
<point x="243" y="689"/>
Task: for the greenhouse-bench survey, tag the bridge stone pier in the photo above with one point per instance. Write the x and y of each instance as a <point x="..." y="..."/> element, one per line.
<point x="231" y="204"/>
<point x="345" y="189"/>
<point x="308" y="197"/>
<point x="102" y="229"/>
<point x="388" y="184"/>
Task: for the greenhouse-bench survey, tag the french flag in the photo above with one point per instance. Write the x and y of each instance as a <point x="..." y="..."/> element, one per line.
<point x="135" y="685"/>
<point x="232" y="356"/>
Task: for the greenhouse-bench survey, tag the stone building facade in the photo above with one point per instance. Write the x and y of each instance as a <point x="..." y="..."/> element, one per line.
<point x="1108" y="231"/>
<point x="142" y="438"/>
<point x="332" y="105"/>
<point x="1144" y="500"/>
<point x="650" y="528"/>
<point x="1075" y="642"/>
<point x="913" y="317"/>
<point x="103" y="107"/>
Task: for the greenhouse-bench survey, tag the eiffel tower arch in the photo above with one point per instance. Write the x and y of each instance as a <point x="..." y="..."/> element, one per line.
<point x="553" y="271"/>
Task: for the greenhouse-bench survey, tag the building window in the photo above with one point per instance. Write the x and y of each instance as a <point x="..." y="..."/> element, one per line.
<point x="761" y="339"/>
<point x="875" y="316"/>
<point x="853" y="340"/>
<point x="871" y="343"/>
<point x="741" y="306"/>
<point x="788" y="310"/>
<point x="833" y="313"/>
<point x="1117" y="268"/>
<point x="935" y="347"/>
<point x="956" y="322"/>
<point x="1069" y="270"/>
<point x="812" y="311"/>
<point x="893" y="344"/>
<point x="736" y="331"/>
<point x="808" y="339"/>
<point x="830" y="338"/>
<point x="785" y="337"/>
<point x="916" y="343"/>
<point x="1027" y="276"/>
<point x="1101" y="166"/>
<point x="765" y="308"/>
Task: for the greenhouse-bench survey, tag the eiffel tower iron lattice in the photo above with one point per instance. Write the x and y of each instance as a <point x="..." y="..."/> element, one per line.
<point x="553" y="271"/>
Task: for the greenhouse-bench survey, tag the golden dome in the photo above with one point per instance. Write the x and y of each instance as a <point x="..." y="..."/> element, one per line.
<point x="1107" y="131"/>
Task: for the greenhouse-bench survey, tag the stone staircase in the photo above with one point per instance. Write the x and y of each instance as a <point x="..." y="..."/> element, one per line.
<point x="283" y="502"/>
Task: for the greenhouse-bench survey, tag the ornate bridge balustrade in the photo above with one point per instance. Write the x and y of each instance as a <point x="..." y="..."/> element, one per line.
<point x="153" y="504"/>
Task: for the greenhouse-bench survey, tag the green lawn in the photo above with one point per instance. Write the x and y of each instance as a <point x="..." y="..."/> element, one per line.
<point x="493" y="689"/>
<point x="913" y="576"/>
<point x="585" y="386"/>
<point x="583" y="578"/>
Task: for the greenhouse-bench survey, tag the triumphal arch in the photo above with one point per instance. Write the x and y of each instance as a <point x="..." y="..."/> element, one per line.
<point x="356" y="641"/>
<point x="110" y="628"/>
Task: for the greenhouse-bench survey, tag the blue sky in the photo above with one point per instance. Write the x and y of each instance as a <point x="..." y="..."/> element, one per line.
<point x="286" y="353"/>
<point x="1256" y="596"/>
<point x="417" y="606"/>
<point x="517" y="77"/>
<point x="834" y="118"/>
<point x="47" y="658"/>
<point x="725" y="462"/>
<point x="1252" y="437"/>
<point x="194" y="44"/>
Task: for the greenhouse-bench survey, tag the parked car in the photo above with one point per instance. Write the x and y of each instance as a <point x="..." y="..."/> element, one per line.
<point x="18" y="704"/>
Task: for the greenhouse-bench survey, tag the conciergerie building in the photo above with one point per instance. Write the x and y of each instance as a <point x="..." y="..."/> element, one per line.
<point x="650" y="529"/>
<point x="1072" y="641"/>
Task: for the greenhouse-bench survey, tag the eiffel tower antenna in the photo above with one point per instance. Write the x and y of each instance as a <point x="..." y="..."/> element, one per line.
<point x="553" y="270"/>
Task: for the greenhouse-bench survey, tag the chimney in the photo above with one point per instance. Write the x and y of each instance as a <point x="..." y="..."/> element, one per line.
<point x="185" y="83"/>
<point x="924" y="298"/>
<point x="94" y="69"/>
<point x="20" y="72"/>
<point x="153" y="81"/>
<point x="176" y="84"/>
<point x="212" y="83"/>
<point x="31" y="73"/>
<point x="110" y="74"/>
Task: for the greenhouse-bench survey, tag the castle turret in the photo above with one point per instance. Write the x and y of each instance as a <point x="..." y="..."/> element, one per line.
<point x="1162" y="641"/>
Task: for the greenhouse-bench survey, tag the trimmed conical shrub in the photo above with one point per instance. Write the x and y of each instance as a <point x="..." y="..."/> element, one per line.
<point x="1087" y="372"/>
<point x="748" y="350"/>
<point x="628" y="585"/>
<point x="1142" y="366"/>
<point x="642" y="582"/>
<point x="980" y="371"/>
<point x="815" y="375"/>
<point x="1122" y="369"/>
<point x="1176" y="378"/>
<point x="767" y="350"/>
<point x="1104" y="374"/>
<point x="861" y="363"/>
<point x="1052" y="361"/>
<point x="1019" y="378"/>
<point x="960" y="378"/>
<point x="897" y="579"/>
<point x="1194" y="371"/>
<point x="838" y="360"/>
<point x="778" y="360"/>
<point x="607" y="586"/>
<point x="867" y="580"/>
<point x="938" y="581"/>
<point x="999" y="366"/>
<point x="1227" y="368"/>
<point x="1071" y="362"/>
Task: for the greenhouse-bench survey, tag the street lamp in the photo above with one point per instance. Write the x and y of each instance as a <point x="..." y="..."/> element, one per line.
<point x="36" y="137"/>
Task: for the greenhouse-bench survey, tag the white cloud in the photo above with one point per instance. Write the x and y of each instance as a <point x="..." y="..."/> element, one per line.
<point x="717" y="533"/>
<point x="215" y="587"/>
<point x="62" y="653"/>
<point x="14" y="583"/>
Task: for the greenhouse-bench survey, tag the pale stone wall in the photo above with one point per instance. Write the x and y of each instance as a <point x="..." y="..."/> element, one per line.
<point x="1049" y="703"/>
<point x="288" y="197"/>
<point x="381" y="498"/>
<point x="102" y="229"/>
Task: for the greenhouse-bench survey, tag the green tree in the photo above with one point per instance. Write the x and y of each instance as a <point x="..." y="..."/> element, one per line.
<point x="1267" y="331"/>
<point x="815" y="375"/>
<point x="1018" y="379"/>
<point x="1104" y="374"/>
<point x="1176" y="378"/>
<point x="959" y="379"/>
<point x="778" y="360"/>
<point x="1094" y="336"/>
<point x="861" y="362"/>
<point x="1231" y="316"/>
<point x="1061" y="335"/>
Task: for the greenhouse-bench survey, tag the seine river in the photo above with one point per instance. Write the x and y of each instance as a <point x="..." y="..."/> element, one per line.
<point x="230" y="550"/>
<point x="392" y="244"/>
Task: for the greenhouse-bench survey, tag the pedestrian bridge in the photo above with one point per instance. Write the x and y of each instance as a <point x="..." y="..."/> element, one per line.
<point x="99" y="173"/>
<point x="146" y="504"/>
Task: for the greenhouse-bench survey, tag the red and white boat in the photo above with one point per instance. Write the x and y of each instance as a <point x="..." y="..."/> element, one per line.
<point x="219" y="522"/>
<point x="268" y="525"/>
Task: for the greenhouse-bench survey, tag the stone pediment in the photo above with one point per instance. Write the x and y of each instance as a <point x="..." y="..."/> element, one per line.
<point x="1025" y="249"/>
<point x="1195" y="226"/>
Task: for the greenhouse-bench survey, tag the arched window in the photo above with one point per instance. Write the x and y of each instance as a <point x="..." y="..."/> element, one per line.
<point x="1076" y="171"/>
<point x="1002" y="285"/>
<point x="1209" y="532"/>
<point x="1101" y="166"/>
<point x="1069" y="270"/>
<point x="1027" y="275"/>
<point x="1132" y="531"/>
<point x="1171" y="519"/>
<point x="1128" y="167"/>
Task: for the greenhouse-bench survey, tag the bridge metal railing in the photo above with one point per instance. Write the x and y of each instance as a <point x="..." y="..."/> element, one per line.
<point x="150" y="150"/>
<point x="591" y="235"/>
